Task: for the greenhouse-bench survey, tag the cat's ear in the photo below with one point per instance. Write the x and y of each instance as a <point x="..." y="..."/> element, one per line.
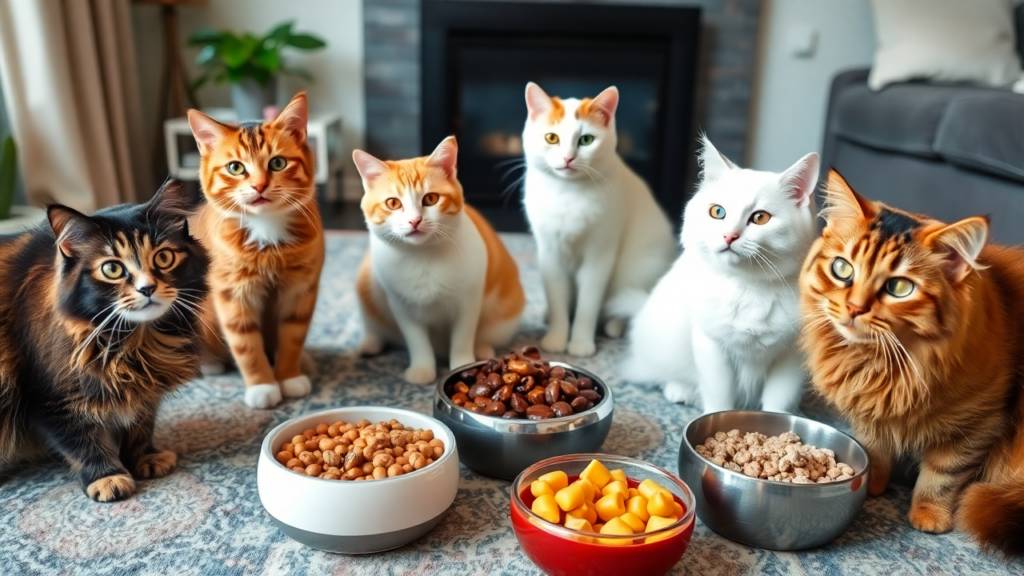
<point x="445" y="156"/>
<point x="713" y="164"/>
<point x="295" y="116"/>
<point x="207" y="131"/>
<point x="369" y="168"/>
<point x="842" y="203"/>
<point x="172" y="199"/>
<point x="606" y="103"/>
<point x="801" y="179"/>
<point x="70" y="227"/>
<point x="962" y="243"/>
<point x="538" y="103"/>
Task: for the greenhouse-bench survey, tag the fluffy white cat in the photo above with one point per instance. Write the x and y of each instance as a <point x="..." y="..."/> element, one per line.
<point x="602" y="240"/>
<point x="724" y="321"/>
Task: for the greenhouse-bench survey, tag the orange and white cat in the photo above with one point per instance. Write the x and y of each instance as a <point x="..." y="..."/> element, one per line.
<point x="436" y="276"/>
<point x="262" y="229"/>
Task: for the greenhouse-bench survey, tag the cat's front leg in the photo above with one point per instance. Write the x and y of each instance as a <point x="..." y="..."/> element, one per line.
<point x="557" y="283"/>
<point x="464" y="329"/>
<point x="138" y="453"/>
<point x="90" y="451"/>
<point x="422" y="364"/>
<point x="295" y="312"/>
<point x="240" y="319"/>
<point x="881" y="463"/>
<point x="945" y="470"/>
<point x="716" y="373"/>
<point x="591" y="284"/>
<point x="784" y="385"/>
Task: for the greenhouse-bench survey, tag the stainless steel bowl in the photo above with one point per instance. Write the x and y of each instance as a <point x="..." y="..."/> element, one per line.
<point x="503" y="448"/>
<point x="773" y="515"/>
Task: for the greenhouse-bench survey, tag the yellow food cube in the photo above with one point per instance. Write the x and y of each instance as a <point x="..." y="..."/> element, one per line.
<point x="648" y="487"/>
<point x="588" y="489"/>
<point x="597" y="527"/>
<point x="610" y="506"/>
<point x="585" y="511"/>
<point x="634" y="522"/>
<point x="570" y="497"/>
<point x="580" y="524"/>
<point x="546" y="507"/>
<point x="557" y="480"/>
<point x="619" y="475"/>
<point x="679" y="509"/>
<point x="637" y="505"/>
<point x="657" y="523"/>
<point x="633" y="492"/>
<point x="661" y="504"/>
<point x="616" y="486"/>
<point x="539" y="488"/>
<point x="617" y="527"/>
<point x="596" y="473"/>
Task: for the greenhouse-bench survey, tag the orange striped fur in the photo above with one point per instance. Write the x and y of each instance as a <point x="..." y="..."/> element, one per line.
<point x="937" y="373"/>
<point x="263" y="230"/>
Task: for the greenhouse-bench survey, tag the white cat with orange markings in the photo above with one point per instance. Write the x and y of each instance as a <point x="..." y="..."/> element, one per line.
<point x="436" y="276"/>
<point x="602" y="240"/>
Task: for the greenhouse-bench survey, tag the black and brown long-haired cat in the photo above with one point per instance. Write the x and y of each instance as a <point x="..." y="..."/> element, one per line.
<point x="98" y="320"/>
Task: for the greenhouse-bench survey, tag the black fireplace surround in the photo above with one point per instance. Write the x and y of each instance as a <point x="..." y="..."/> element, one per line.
<point x="477" y="57"/>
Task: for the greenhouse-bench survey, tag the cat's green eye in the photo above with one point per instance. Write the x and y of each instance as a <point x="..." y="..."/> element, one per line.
<point x="899" y="287"/>
<point x="717" y="212"/>
<point x="112" y="270"/>
<point x="586" y="140"/>
<point x="551" y="138"/>
<point x="236" y="168"/>
<point x="842" y="269"/>
<point x="164" y="259"/>
<point x="277" y="164"/>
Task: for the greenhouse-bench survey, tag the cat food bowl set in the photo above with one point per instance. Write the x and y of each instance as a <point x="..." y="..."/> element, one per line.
<point x="503" y="448"/>
<point x="766" y="514"/>
<point x="357" y="517"/>
<point x="561" y="551"/>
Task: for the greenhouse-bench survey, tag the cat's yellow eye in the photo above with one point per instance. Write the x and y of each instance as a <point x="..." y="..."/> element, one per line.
<point x="393" y="203"/>
<point x="586" y="140"/>
<point x="112" y="270"/>
<point x="236" y="168"/>
<point x="163" y="259"/>
<point x="430" y="199"/>
<point x="717" y="212"/>
<point x="760" y="217"/>
<point x="899" y="287"/>
<point x="551" y="138"/>
<point x="277" y="164"/>
<point x="842" y="269"/>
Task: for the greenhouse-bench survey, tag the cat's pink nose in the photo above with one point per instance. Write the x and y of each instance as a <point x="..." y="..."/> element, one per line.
<point x="259" y="187"/>
<point x="730" y="238"/>
<point x="569" y="160"/>
<point x="415" y="222"/>
<point x="855" y="309"/>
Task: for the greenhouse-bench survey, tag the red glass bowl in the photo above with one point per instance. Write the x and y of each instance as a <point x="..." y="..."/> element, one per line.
<point x="560" y="551"/>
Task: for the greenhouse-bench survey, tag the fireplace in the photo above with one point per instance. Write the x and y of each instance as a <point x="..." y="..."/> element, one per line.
<point x="477" y="56"/>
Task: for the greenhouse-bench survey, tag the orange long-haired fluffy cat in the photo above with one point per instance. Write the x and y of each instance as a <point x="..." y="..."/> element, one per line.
<point x="915" y="330"/>
<point x="262" y="229"/>
<point x="436" y="276"/>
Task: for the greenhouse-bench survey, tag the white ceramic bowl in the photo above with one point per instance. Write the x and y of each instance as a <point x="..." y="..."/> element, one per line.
<point x="357" y="517"/>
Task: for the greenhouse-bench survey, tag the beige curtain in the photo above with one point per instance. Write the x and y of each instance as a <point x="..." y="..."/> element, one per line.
<point x="68" y="74"/>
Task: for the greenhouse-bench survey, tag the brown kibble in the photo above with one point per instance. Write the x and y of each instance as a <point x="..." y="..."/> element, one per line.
<point x="309" y="433"/>
<point x="493" y="380"/>
<point x="395" y="470"/>
<point x="296" y="462"/>
<point x="327" y="444"/>
<point x="322" y="428"/>
<point x="568" y="389"/>
<point x="479" y="389"/>
<point x="460" y="388"/>
<point x="314" y="470"/>
<point x="502" y="394"/>
<point x="510" y="378"/>
<point x="332" y="458"/>
<point x="557" y="373"/>
<point x="380" y="473"/>
<point x="438" y="451"/>
<point x="494" y="408"/>
<point x="284" y="456"/>
<point x="578" y="404"/>
<point x="383" y="461"/>
<point x="584" y="383"/>
<point x="539" y="412"/>
<point x="460" y="399"/>
<point x="307" y="458"/>
<point x="512" y="415"/>
<point x="299" y="439"/>
<point x="333" y="431"/>
<point x="530" y="352"/>
<point x="368" y="468"/>
<point x="561" y="409"/>
<point x="518" y="403"/>
<point x="553" y="392"/>
<point x="299" y="469"/>
<point x="535" y="396"/>
<point x="312" y="444"/>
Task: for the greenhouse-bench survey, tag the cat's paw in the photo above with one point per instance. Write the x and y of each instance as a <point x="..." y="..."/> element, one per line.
<point x="483" y="351"/>
<point x="111" y="488"/>
<point x="582" y="348"/>
<point x="420" y="374"/>
<point x="262" y="396"/>
<point x="930" y="517"/>
<point x="296" y="387"/>
<point x="156" y="465"/>
<point x="615" y="327"/>
<point x="554" y="342"/>
<point x="213" y="368"/>
<point x="371" y="345"/>
<point x="879" y="482"/>
<point x="680" y="393"/>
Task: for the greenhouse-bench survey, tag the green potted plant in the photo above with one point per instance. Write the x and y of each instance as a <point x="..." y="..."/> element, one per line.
<point x="250" y="63"/>
<point x="13" y="218"/>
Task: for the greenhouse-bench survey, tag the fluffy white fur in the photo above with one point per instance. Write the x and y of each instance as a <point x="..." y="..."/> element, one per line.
<point x="431" y="284"/>
<point x="723" y="323"/>
<point x="602" y="240"/>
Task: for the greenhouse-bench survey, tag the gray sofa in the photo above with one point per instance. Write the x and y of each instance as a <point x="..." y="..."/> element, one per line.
<point x="949" y="151"/>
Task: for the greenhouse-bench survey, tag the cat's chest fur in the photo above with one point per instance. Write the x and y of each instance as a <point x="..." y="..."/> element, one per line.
<point x="264" y="230"/>
<point x="568" y="212"/>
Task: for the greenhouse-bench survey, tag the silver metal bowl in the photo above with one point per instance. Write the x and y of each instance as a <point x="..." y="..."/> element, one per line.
<point x="766" y="514"/>
<point x="503" y="448"/>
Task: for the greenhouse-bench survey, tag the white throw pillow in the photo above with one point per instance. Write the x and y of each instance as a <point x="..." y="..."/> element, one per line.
<point x="946" y="41"/>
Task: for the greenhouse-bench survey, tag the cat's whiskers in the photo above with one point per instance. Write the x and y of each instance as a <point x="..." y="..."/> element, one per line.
<point x="83" y="347"/>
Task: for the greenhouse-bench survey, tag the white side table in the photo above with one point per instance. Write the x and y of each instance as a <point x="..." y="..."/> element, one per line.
<point x="323" y="133"/>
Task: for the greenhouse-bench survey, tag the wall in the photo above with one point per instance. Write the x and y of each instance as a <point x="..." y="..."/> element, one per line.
<point x="791" y="93"/>
<point x="338" y="69"/>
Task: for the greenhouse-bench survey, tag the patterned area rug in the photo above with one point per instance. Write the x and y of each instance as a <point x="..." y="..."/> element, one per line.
<point x="206" y="518"/>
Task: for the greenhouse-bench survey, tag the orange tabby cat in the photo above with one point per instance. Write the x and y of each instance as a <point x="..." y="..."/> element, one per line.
<point x="436" y="275"/>
<point x="262" y="229"/>
<point x="915" y="330"/>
